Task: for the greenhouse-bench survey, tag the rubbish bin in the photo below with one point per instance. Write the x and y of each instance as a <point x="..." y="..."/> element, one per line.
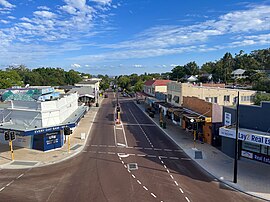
<point x="97" y="105"/>
<point x="164" y="125"/>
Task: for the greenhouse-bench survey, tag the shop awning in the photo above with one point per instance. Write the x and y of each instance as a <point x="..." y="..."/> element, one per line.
<point x="189" y="114"/>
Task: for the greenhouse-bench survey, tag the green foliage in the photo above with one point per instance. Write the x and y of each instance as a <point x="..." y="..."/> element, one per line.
<point x="9" y="78"/>
<point x="262" y="85"/>
<point x="261" y="97"/>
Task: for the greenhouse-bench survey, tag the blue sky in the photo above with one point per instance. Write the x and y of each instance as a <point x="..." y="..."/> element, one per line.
<point x="128" y="36"/>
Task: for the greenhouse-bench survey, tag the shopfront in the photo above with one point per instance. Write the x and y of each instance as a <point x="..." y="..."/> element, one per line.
<point x="253" y="145"/>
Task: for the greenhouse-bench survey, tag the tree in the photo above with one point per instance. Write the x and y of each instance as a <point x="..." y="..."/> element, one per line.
<point x="9" y="78"/>
<point x="177" y="73"/>
<point x="191" y="68"/>
<point x="262" y="85"/>
<point x="124" y="82"/>
<point x="261" y="97"/>
<point x="72" y="77"/>
<point x="138" y="86"/>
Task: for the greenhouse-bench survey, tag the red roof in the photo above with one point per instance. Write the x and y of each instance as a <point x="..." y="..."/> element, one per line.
<point x="157" y="82"/>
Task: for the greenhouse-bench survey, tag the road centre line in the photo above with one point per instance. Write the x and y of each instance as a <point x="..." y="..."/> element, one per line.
<point x="145" y="188"/>
<point x="2" y="189"/>
<point x="181" y="190"/>
<point x="171" y="176"/>
<point x="20" y="176"/>
<point x="176" y="158"/>
<point x="139" y="181"/>
<point x="133" y="176"/>
<point x="187" y="199"/>
<point x="176" y="183"/>
<point x="9" y="183"/>
<point x="153" y="195"/>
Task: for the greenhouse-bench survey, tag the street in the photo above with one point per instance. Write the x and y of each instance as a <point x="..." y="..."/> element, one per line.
<point x="131" y="162"/>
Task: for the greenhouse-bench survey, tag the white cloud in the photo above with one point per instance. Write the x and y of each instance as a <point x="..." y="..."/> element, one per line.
<point x="6" y="4"/>
<point x="11" y="17"/>
<point x="87" y="65"/>
<point x="104" y="2"/>
<point x="137" y="66"/>
<point x="45" y="14"/>
<point x="75" y="65"/>
<point x="4" y="21"/>
<point x="44" y="8"/>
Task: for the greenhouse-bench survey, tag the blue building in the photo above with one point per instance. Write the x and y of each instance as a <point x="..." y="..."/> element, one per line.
<point x="254" y="131"/>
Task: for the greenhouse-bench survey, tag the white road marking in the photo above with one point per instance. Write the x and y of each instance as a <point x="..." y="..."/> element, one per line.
<point x="123" y="155"/>
<point x="111" y="146"/>
<point x="138" y="147"/>
<point x="141" y="154"/>
<point x="124" y="135"/>
<point x="114" y="133"/>
<point x="103" y="145"/>
<point x="176" y="183"/>
<point x="162" y="162"/>
<point x="139" y="181"/>
<point x="157" y="149"/>
<point x="111" y="152"/>
<point x="132" y="154"/>
<point x="176" y="158"/>
<point x="122" y="162"/>
<point x="165" y="166"/>
<point x="151" y="156"/>
<point x="148" y="148"/>
<point x="163" y="157"/>
<point x="101" y="152"/>
<point x="171" y="176"/>
<point x="133" y="176"/>
<point x="10" y="183"/>
<point x="181" y="190"/>
<point x="177" y="150"/>
<point x="153" y="195"/>
<point x="2" y="189"/>
<point x="87" y="145"/>
<point x="187" y="159"/>
<point x="84" y="151"/>
<point x="145" y="188"/>
<point x="125" y="166"/>
<point x="168" y="171"/>
<point x="187" y="199"/>
<point x="167" y="150"/>
<point x="20" y="176"/>
<point x="128" y="171"/>
<point x="160" y="158"/>
<point x="93" y="145"/>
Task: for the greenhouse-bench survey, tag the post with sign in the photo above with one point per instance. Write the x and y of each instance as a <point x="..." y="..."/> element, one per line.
<point x="236" y="141"/>
<point x="10" y="136"/>
<point x="67" y="132"/>
<point x="194" y="133"/>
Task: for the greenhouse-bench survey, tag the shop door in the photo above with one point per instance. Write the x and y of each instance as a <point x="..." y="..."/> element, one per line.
<point x="38" y="142"/>
<point x="52" y="141"/>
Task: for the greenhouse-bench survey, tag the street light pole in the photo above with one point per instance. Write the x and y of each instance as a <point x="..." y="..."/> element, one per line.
<point x="236" y="141"/>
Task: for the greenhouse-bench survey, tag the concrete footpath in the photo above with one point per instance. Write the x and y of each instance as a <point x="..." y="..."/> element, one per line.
<point x="28" y="158"/>
<point x="253" y="177"/>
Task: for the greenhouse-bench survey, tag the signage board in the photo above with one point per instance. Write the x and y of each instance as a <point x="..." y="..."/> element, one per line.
<point x="245" y="136"/>
<point x="227" y="119"/>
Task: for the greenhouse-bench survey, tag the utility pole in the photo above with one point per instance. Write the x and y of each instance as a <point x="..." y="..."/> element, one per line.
<point x="236" y="141"/>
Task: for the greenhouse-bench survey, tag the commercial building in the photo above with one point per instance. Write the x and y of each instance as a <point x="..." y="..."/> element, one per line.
<point x="150" y="87"/>
<point x="39" y="123"/>
<point x="254" y="132"/>
<point x="222" y="96"/>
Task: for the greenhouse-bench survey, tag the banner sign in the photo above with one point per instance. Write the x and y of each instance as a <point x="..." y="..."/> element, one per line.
<point x="245" y="136"/>
<point x="227" y="119"/>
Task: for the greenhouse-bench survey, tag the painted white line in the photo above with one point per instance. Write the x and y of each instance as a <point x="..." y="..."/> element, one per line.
<point x="151" y="156"/>
<point x="128" y="170"/>
<point x="187" y="159"/>
<point x="139" y="181"/>
<point x="111" y="152"/>
<point x="165" y="166"/>
<point x="157" y="149"/>
<point x="125" y="166"/>
<point x="177" y="150"/>
<point x="141" y="154"/>
<point x="93" y="145"/>
<point x="162" y="162"/>
<point x="176" y="183"/>
<point x="145" y="188"/>
<point x="122" y="162"/>
<point x="101" y="152"/>
<point x="138" y="147"/>
<point x="114" y="133"/>
<point x="10" y="183"/>
<point x="160" y="158"/>
<point x="148" y="148"/>
<point x="122" y="155"/>
<point x="20" y="176"/>
<point x="133" y="176"/>
<point x="132" y="154"/>
<point x="103" y="145"/>
<point x="111" y="146"/>
<point x="168" y="171"/>
<point x="187" y="199"/>
<point x="124" y="135"/>
<point x="171" y="176"/>
<point x="163" y="157"/>
<point x="168" y="150"/>
<point x="87" y="145"/>
<point x="84" y="151"/>
<point x="2" y="189"/>
<point x="153" y="195"/>
<point x="129" y="147"/>
<point x="181" y="190"/>
<point x="176" y="158"/>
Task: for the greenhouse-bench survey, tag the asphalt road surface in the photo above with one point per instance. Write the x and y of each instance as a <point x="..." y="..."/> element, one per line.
<point x="148" y="168"/>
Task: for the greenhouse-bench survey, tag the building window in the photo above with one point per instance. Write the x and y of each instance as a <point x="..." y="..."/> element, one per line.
<point x="226" y="98"/>
<point x="176" y="99"/>
<point x="251" y="147"/>
<point x="264" y="149"/>
<point x="169" y="97"/>
<point x="211" y="99"/>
